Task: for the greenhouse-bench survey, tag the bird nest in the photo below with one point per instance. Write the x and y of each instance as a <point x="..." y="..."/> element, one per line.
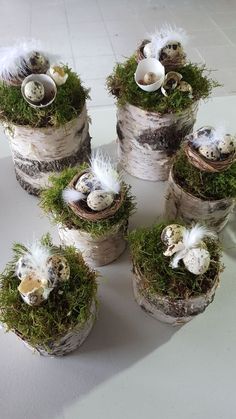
<point x="168" y="63"/>
<point x="82" y="210"/>
<point x="205" y="165"/>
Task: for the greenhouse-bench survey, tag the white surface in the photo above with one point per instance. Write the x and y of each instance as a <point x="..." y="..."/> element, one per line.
<point x="131" y="366"/>
<point x="91" y="35"/>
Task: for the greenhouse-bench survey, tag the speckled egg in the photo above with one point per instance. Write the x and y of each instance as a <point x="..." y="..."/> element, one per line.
<point x="210" y="152"/>
<point x="38" y="63"/>
<point x="34" y="91"/>
<point x="86" y="183"/>
<point x="99" y="200"/>
<point x="58" y="269"/>
<point x="197" y="260"/>
<point x="227" y="144"/>
<point x="172" y="234"/>
<point x="24" y="267"/>
<point x="171" y="50"/>
<point x="150" y="78"/>
<point x="147" y="50"/>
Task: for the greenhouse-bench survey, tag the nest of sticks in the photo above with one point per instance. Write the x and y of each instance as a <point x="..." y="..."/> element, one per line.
<point x="205" y="165"/>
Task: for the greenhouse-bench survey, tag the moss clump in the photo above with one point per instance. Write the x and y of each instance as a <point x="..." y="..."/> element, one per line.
<point x="147" y="254"/>
<point x="67" y="305"/>
<point x="68" y="104"/>
<point x="208" y="186"/>
<point x="52" y="203"/>
<point x="122" y="85"/>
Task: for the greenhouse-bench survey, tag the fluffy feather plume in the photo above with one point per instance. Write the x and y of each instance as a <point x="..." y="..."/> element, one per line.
<point x="71" y="195"/>
<point x="167" y="33"/>
<point x="105" y="171"/>
<point x="192" y="237"/>
<point x="213" y="138"/>
<point x="37" y="256"/>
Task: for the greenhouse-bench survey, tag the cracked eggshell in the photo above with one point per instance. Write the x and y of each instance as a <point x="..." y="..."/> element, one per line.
<point x="172" y="234"/>
<point x="147" y="50"/>
<point x="24" y="267"/>
<point x="58" y="74"/>
<point x="227" y="145"/>
<point x="197" y="260"/>
<point x="32" y="290"/>
<point x="99" y="200"/>
<point x="185" y="87"/>
<point x="86" y="183"/>
<point x="210" y="152"/>
<point x="148" y="65"/>
<point x="58" y="269"/>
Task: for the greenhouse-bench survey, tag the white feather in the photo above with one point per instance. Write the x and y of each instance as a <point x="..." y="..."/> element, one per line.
<point x="71" y="195"/>
<point x="38" y="256"/>
<point x="211" y="139"/>
<point x="105" y="171"/>
<point x="167" y="33"/>
<point x="192" y="237"/>
<point x="14" y="58"/>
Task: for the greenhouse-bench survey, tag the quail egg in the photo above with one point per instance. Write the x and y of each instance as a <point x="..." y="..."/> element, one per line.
<point x="38" y="63"/>
<point x="171" y="51"/>
<point x="58" y="269"/>
<point x="172" y="236"/>
<point x="34" y="91"/>
<point x="32" y="290"/>
<point x="150" y="78"/>
<point x="86" y="183"/>
<point x="99" y="200"/>
<point x="227" y="145"/>
<point x="197" y="260"/>
<point x="210" y="152"/>
<point x="24" y="267"/>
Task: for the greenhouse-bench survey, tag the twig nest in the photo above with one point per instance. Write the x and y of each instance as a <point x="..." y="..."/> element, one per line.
<point x="197" y="260"/>
<point x="58" y="74"/>
<point x="99" y="200"/>
<point x="33" y="291"/>
<point x="86" y="183"/>
<point x="34" y="91"/>
<point x="39" y="90"/>
<point x="149" y="69"/>
<point x="38" y="62"/>
<point x="58" y="269"/>
<point x="172" y="237"/>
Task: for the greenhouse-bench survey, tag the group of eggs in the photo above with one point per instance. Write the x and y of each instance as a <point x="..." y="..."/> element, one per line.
<point x="196" y="259"/>
<point x="36" y="281"/>
<point x="215" y="150"/>
<point x="96" y="198"/>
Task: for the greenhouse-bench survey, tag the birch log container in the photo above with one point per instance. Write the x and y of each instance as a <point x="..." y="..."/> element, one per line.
<point x="174" y="278"/>
<point x="48" y="297"/>
<point x="91" y="207"/>
<point x="44" y="115"/>
<point x="202" y="188"/>
<point x="155" y="109"/>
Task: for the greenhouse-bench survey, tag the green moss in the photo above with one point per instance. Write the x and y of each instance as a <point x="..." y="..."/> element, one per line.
<point x="147" y="253"/>
<point x="67" y="305"/>
<point x="209" y="186"/>
<point x="122" y="85"/>
<point x="52" y="203"/>
<point x="68" y="104"/>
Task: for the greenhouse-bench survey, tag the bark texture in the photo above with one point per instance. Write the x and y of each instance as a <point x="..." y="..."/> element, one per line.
<point x="183" y="205"/>
<point x="96" y="251"/>
<point x="39" y="152"/>
<point x="167" y="310"/>
<point x="147" y="141"/>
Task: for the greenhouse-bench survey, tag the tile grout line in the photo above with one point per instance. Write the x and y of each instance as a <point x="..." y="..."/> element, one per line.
<point x="221" y="31"/>
<point x="105" y="26"/>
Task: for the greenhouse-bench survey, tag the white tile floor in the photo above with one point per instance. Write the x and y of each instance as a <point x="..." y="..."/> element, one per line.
<point x="91" y="35"/>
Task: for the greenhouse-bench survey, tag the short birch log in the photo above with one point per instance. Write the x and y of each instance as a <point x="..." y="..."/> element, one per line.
<point x="69" y="342"/>
<point x="175" y="312"/>
<point x="183" y="205"/>
<point x="147" y="141"/>
<point x="39" y="152"/>
<point x="96" y="251"/>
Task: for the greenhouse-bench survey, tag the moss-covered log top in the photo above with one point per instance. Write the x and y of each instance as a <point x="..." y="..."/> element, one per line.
<point x="67" y="305"/>
<point x="68" y="104"/>
<point x="52" y="203"/>
<point x="147" y="254"/>
<point x="204" y="185"/>
<point x="122" y="85"/>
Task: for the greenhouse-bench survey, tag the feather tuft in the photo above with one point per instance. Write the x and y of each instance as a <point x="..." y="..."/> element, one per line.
<point x="105" y="171"/>
<point x="166" y="34"/>
<point x="211" y="139"/>
<point x="71" y="195"/>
